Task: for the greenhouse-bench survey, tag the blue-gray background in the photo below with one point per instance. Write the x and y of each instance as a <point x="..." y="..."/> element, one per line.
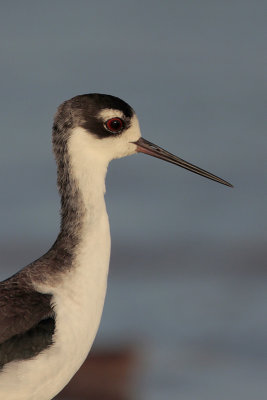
<point x="188" y="272"/>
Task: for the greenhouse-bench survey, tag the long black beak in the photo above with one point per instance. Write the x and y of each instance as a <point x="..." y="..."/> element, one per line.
<point x="144" y="146"/>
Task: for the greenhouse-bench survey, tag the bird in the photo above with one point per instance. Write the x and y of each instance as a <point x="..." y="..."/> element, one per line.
<point x="51" y="309"/>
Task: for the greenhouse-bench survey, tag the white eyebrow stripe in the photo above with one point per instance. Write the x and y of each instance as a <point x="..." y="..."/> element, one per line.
<point x="108" y="113"/>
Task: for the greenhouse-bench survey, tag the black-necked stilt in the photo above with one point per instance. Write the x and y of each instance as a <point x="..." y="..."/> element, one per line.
<point x="51" y="309"/>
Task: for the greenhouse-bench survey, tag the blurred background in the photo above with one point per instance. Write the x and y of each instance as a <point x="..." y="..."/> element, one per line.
<point x="185" y="313"/>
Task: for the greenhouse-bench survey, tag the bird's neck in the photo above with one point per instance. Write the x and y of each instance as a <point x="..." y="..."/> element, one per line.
<point x="81" y="182"/>
<point x="76" y="267"/>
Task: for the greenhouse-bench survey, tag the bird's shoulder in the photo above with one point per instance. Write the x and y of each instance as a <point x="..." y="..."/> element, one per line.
<point x="21" y="306"/>
<point x="27" y="320"/>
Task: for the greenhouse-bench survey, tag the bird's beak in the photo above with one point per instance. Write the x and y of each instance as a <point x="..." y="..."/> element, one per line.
<point x="144" y="146"/>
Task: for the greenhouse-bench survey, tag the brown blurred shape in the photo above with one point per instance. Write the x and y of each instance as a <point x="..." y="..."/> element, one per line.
<point x="105" y="375"/>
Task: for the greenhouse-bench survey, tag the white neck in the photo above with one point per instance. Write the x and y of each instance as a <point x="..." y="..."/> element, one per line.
<point x="79" y="296"/>
<point x="88" y="169"/>
<point x="91" y="259"/>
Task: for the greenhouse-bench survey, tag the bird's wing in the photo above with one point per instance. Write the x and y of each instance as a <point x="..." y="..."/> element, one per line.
<point x="26" y="321"/>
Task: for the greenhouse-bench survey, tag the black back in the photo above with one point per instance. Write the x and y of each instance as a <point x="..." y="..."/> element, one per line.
<point x="27" y="320"/>
<point x="28" y="344"/>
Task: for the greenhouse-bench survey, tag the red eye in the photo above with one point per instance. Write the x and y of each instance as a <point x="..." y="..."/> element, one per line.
<point x="114" y="125"/>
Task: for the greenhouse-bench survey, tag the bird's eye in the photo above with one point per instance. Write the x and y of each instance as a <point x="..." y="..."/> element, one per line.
<point x="114" y="125"/>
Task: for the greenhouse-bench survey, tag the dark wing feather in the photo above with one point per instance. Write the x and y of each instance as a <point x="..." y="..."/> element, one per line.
<point x="29" y="344"/>
<point x="27" y="320"/>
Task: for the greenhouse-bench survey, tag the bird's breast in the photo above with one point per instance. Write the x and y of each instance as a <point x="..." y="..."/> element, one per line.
<point x="78" y="300"/>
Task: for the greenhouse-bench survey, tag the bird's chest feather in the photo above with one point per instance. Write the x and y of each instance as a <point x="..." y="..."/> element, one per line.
<point x="79" y="300"/>
<point x="78" y="303"/>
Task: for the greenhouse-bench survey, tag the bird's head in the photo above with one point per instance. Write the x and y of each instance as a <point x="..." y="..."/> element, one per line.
<point x="104" y="127"/>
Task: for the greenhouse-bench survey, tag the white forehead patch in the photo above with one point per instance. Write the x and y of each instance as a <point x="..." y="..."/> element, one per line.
<point x="108" y="113"/>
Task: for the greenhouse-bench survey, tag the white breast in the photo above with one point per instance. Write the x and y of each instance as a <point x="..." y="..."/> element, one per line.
<point x="79" y="301"/>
